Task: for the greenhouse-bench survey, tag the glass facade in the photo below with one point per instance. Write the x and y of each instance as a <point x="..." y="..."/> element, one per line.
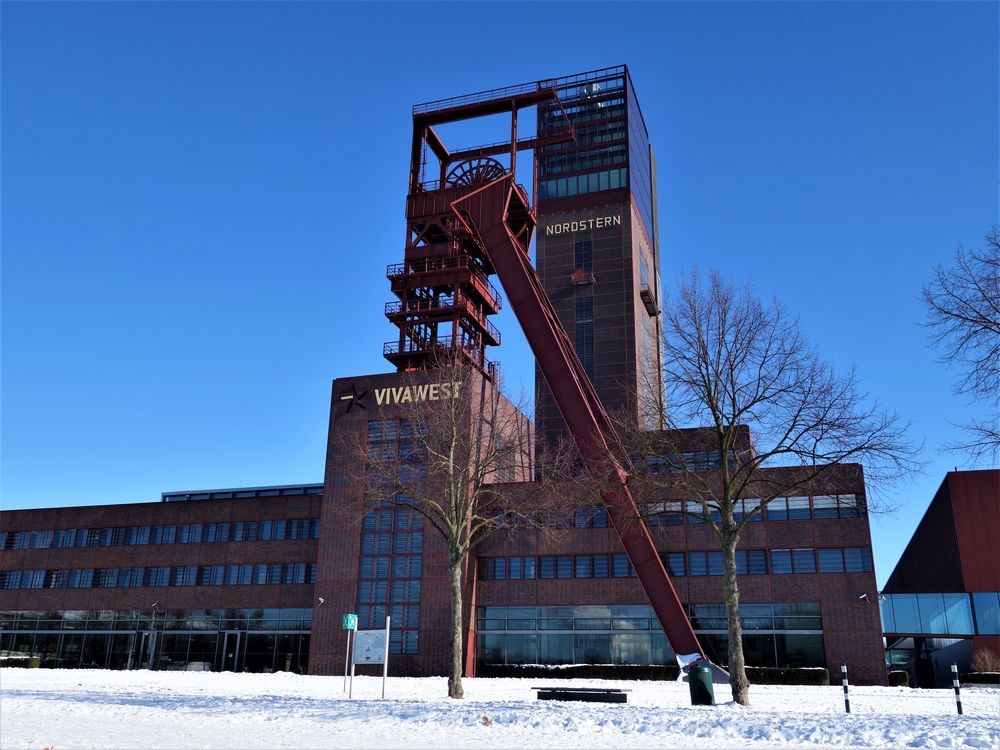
<point x="941" y="613"/>
<point x="597" y="159"/>
<point x="390" y="566"/>
<point x="234" y="640"/>
<point x="776" y="634"/>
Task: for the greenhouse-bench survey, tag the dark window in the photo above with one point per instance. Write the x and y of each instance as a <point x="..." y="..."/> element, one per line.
<point x="592" y="517"/>
<point x="751" y="562"/>
<point x="824" y="506"/>
<point x="621" y="567"/>
<point x="584" y="566"/>
<point x="547" y="567"/>
<point x="697" y="564"/>
<point x="675" y="563"/>
<point x="584" y="333"/>
<point x="857" y="559"/>
<point x="804" y="560"/>
<point x="781" y="561"/>
<point x="583" y="255"/>
<point x="850" y="506"/>
<point x="777" y="509"/>
<point x="715" y="563"/>
<point x="599" y="566"/>
<point x="798" y="509"/>
<point x="163" y="534"/>
<point x="831" y="560"/>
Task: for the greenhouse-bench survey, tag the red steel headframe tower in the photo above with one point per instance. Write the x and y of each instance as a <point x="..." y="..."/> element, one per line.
<point x="469" y="220"/>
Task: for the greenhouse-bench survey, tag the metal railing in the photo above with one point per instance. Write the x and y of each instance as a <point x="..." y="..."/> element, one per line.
<point x="415" y="347"/>
<point x="483" y="96"/>
<point x="429" y="265"/>
<point x="443" y="303"/>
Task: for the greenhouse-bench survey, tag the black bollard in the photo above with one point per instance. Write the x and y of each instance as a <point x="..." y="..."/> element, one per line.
<point x="843" y="679"/>
<point x="958" y="689"/>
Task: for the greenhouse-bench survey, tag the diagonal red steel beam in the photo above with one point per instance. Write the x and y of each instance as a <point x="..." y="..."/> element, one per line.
<point x="486" y="213"/>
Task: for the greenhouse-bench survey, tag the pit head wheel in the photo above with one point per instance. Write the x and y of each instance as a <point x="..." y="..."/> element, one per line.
<point x="475" y="172"/>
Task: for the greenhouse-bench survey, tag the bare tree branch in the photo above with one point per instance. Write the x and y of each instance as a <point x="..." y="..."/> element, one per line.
<point x="464" y="464"/>
<point x="736" y="365"/>
<point x="963" y="315"/>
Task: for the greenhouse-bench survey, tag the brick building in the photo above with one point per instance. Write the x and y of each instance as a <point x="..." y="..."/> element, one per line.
<point x="258" y="578"/>
<point x="941" y="602"/>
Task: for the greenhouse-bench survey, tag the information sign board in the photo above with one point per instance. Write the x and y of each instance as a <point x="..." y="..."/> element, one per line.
<point x="369" y="646"/>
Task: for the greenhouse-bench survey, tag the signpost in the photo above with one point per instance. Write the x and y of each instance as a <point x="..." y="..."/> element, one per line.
<point x="371" y="647"/>
<point x="350" y="624"/>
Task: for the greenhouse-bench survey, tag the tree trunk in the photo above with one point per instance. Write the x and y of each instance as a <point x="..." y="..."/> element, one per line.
<point x="737" y="665"/>
<point x="455" y="665"/>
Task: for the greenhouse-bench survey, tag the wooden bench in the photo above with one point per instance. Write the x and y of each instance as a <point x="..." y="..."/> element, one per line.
<point x="593" y="695"/>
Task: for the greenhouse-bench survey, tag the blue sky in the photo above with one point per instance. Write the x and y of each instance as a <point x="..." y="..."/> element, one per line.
<point x="199" y="201"/>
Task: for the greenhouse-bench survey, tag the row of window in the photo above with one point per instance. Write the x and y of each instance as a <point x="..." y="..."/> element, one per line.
<point x="804" y="508"/>
<point x="704" y="617"/>
<point x="691" y="460"/>
<point x="185" y="575"/>
<point x="307" y="489"/>
<point x="170" y="619"/>
<point x="942" y="614"/>
<point x="696" y="563"/>
<point x="399" y="566"/>
<point x="587" y="135"/>
<point x="395" y="592"/>
<point x="393" y="429"/>
<point x="608" y="179"/>
<point x="372" y="616"/>
<point x="601" y="156"/>
<point x="185" y="533"/>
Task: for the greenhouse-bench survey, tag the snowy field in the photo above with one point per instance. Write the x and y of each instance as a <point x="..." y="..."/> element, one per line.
<point x="41" y="708"/>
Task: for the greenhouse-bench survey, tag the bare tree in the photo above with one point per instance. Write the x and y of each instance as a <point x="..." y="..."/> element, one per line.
<point x="735" y="366"/>
<point x="963" y="313"/>
<point x="464" y="462"/>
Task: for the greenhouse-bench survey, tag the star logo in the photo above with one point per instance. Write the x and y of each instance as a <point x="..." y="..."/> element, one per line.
<point x="354" y="399"/>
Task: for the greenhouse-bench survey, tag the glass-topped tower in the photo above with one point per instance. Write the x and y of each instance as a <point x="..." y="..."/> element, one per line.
<point x="597" y="248"/>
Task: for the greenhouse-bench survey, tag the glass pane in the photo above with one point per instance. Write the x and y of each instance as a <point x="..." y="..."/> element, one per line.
<point x="958" y="614"/>
<point x="825" y="506"/>
<point x="563" y="623"/>
<point x="831" y="560"/>
<point x="803" y="560"/>
<point x="798" y="508"/>
<point x="521" y="648"/>
<point x="799" y="650"/>
<point x="781" y="561"/>
<point x="931" y="608"/>
<point x="987" y="607"/>
<point x="630" y="623"/>
<point x="758" y="649"/>
<point x="904" y="610"/>
<point x="593" y="649"/>
<point x="888" y="621"/>
<point x="555" y="649"/>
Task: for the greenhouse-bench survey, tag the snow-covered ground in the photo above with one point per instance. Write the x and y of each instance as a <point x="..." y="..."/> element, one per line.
<point x="41" y="708"/>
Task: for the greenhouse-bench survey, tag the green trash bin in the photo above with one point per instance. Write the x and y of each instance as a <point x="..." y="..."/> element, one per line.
<point x="700" y="682"/>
